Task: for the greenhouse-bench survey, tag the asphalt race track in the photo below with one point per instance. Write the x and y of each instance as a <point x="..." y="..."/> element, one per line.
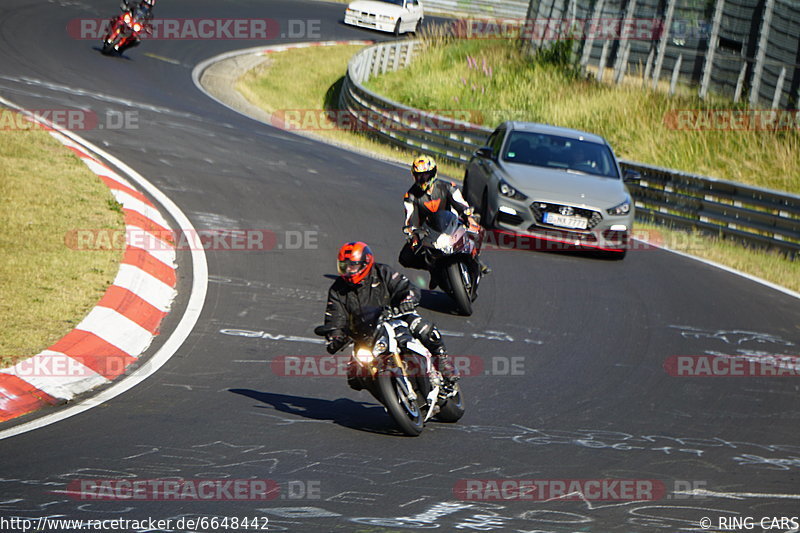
<point x="573" y="385"/>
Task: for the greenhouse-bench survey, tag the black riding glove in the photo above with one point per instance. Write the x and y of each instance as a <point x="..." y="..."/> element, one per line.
<point x="407" y="306"/>
<point x="335" y="344"/>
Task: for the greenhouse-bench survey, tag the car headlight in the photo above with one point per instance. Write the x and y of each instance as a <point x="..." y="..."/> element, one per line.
<point x="390" y="18"/>
<point x="510" y="192"/>
<point x="622" y="209"/>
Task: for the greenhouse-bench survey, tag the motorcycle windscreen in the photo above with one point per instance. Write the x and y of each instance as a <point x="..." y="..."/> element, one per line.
<point x="444" y="221"/>
<point x="363" y="324"/>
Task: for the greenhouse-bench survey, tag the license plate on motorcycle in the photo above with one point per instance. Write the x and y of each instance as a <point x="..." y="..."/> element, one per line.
<point x="555" y="219"/>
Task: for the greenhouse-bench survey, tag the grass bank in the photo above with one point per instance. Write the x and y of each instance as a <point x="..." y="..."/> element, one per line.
<point x="310" y="80"/>
<point x="46" y="288"/>
<point x="497" y="81"/>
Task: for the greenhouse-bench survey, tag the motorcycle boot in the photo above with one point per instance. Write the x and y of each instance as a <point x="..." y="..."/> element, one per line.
<point x="485" y="270"/>
<point x="430" y="337"/>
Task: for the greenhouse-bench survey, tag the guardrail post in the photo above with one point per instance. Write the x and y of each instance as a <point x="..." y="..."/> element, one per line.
<point x="708" y="65"/>
<point x="622" y="49"/>
<point x="623" y="64"/>
<point x="386" y="55"/>
<point x="761" y="54"/>
<point x="398" y="50"/>
<point x="409" y="52"/>
<point x="740" y="82"/>
<point x="601" y="67"/>
<point x="648" y="67"/>
<point x="675" y="73"/>
<point x="588" y="43"/>
<point x="662" y="42"/>
<point x="776" y="99"/>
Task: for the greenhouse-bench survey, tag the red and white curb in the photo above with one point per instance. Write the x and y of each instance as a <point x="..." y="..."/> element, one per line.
<point x="122" y="325"/>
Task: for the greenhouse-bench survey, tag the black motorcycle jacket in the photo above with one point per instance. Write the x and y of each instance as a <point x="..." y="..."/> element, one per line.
<point x="352" y="310"/>
<point x="420" y="204"/>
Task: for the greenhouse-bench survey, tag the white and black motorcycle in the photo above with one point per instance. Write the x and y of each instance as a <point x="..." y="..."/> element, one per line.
<point x="398" y="371"/>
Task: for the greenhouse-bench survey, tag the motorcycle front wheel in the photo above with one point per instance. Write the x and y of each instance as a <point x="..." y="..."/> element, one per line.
<point x="403" y="409"/>
<point x="458" y="290"/>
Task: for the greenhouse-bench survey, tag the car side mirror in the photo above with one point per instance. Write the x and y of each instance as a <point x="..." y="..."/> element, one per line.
<point x="631" y="176"/>
<point x="485" y="152"/>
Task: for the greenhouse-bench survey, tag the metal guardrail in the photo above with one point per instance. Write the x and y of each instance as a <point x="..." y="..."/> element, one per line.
<point x="751" y="214"/>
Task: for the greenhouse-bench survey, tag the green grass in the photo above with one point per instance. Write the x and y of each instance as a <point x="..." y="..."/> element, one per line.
<point x="46" y="288"/>
<point x="311" y="79"/>
<point x="504" y="83"/>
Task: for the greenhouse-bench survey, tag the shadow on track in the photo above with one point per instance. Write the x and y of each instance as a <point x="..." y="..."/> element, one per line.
<point x="363" y="416"/>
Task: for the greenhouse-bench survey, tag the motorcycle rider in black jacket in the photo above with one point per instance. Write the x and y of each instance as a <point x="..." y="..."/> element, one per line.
<point x="427" y="196"/>
<point x="363" y="288"/>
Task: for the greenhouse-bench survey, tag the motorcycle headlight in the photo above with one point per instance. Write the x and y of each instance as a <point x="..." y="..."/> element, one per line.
<point x="443" y="243"/>
<point x="364" y="355"/>
<point x="622" y="209"/>
<point x="509" y="191"/>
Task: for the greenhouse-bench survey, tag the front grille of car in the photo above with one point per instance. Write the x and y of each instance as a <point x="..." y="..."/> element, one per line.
<point x="538" y="214"/>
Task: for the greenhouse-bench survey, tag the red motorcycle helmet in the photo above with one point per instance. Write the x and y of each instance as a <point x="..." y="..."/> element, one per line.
<point x="355" y="262"/>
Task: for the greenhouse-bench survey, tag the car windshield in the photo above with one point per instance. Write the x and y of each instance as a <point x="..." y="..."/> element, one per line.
<point x="565" y="153"/>
<point x="395" y="2"/>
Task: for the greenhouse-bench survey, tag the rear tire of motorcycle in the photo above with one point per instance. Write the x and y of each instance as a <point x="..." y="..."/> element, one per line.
<point x="411" y="424"/>
<point x="457" y="289"/>
<point x="453" y="409"/>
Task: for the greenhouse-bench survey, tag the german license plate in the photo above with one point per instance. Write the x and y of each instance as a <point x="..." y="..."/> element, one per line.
<point x="566" y="222"/>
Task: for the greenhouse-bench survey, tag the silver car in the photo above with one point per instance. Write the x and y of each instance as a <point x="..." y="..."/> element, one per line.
<point x="560" y="185"/>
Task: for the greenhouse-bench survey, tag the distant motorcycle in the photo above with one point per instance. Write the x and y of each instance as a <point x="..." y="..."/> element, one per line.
<point x="124" y="31"/>
<point x="450" y="250"/>
<point x="398" y="371"/>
